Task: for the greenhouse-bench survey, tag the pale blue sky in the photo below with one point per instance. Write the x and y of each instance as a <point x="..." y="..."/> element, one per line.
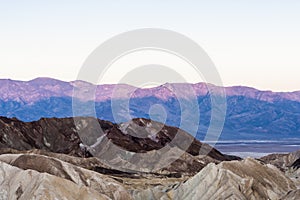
<point x="254" y="43"/>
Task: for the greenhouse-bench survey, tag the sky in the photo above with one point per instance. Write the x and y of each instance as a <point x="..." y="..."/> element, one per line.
<point x="252" y="43"/>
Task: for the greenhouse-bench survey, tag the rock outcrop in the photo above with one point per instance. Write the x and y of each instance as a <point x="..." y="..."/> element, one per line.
<point x="295" y="194"/>
<point x="137" y="136"/>
<point x="81" y="177"/>
<point x="282" y="161"/>
<point x="16" y="183"/>
<point x="107" y="183"/>
<point x="247" y="179"/>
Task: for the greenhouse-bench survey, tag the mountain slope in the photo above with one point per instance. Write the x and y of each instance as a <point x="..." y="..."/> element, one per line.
<point x="251" y="114"/>
<point x="137" y="136"/>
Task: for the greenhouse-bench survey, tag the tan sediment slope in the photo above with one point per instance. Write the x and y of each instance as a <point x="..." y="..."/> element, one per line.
<point x="77" y="175"/>
<point x="247" y="179"/>
<point x="34" y="176"/>
<point x="16" y="183"/>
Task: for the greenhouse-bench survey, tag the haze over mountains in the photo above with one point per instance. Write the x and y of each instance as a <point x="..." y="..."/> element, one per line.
<point x="251" y="114"/>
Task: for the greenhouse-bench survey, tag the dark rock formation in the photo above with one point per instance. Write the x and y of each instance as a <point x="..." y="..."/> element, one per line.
<point x="296" y="164"/>
<point x="61" y="136"/>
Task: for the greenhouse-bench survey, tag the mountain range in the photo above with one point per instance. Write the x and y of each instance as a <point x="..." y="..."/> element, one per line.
<point x="251" y="114"/>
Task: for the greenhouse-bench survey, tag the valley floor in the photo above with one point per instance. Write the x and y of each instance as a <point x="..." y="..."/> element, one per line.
<point x="256" y="149"/>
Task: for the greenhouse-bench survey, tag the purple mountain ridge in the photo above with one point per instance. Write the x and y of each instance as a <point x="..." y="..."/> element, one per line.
<point x="43" y="88"/>
<point x="251" y="114"/>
